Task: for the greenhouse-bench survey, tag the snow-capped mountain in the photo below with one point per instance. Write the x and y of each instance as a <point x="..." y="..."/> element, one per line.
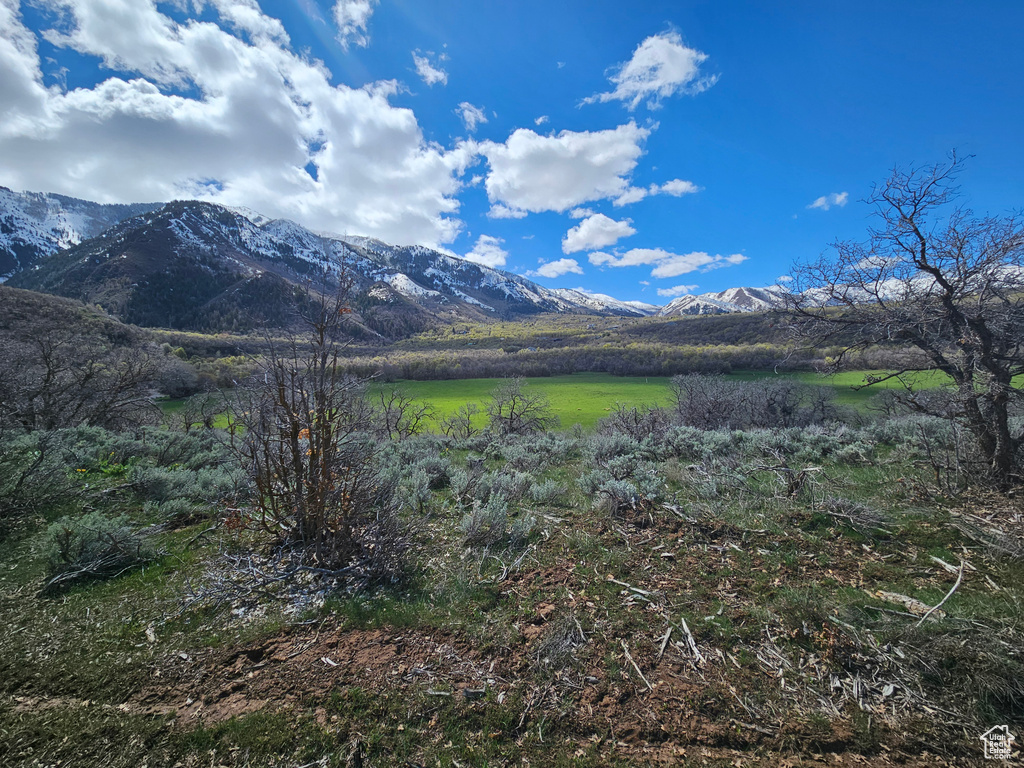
<point x="730" y="300"/>
<point x="200" y="265"/>
<point x="33" y="225"/>
<point x="600" y="302"/>
<point x="191" y="264"/>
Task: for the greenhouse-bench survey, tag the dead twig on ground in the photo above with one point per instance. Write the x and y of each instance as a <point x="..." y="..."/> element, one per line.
<point x="664" y="641"/>
<point x="629" y="656"/>
<point x="959" y="579"/>
<point x="697" y="655"/>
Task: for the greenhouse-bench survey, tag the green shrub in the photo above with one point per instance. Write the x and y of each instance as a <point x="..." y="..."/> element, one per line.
<point x="548" y="492"/>
<point x="437" y="470"/>
<point x="93" y="546"/>
<point x="161" y="484"/>
<point x="179" y="510"/>
<point x="513" y="486"/>
<point x="33" y="478"/>
<point x="464" y="483"/>
<point x="485" y="524"/>
<point x="520" y="530"/>
<point x="414" y="491"/>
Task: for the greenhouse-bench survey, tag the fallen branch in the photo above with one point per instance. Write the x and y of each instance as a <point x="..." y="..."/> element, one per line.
<point x="751" y="727"/>
<point x="625" y="648"/>
<point x="629" y="586"/>
<point x="691" y="642"/>
<point x="664" y="641"/>
<point x="959" y="579"/>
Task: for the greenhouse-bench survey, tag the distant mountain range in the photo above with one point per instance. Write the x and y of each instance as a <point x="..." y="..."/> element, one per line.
<point x="729" y="300"/>
<point x="202" y="266"/>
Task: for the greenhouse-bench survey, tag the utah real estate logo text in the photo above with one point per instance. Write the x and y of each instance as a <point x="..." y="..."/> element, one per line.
<point x="998" y="742"/>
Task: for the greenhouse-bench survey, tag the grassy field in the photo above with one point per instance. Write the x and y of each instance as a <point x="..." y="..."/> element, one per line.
<point x="585" y="398"/>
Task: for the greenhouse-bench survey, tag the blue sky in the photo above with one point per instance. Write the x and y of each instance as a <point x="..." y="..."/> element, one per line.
<point x="642" y="150"/>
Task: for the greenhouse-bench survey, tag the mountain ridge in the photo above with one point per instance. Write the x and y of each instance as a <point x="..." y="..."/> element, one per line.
<point x="200" y="265"/>
<point x="34" y="225"/>
<point x="727" y="301"/>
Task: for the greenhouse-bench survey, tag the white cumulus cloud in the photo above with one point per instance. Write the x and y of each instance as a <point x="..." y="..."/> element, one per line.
<point x="530" y="172"/>
<point x="488" y="251"/>
<point x="629" y="196"/>
<point x="223" y="110"/>
<point x="430" y="71"/>
<point x="541" y="120"/>
<point x="837" y="199"/>
<point x="691" y="262"/>
<point x="661" y="66"/>
<point x="557" y="268"/>
<point x="596" y="231"/>
<point x="471" y="116"/>
<point x="500" y="211"/>
<point x="676" y="188"/>
<point x="353" y="20"/>
<point x="665" y="263"/>
<point x="677" y="290"/>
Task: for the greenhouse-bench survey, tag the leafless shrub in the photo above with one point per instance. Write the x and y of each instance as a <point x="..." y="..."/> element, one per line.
<point x="853" y="513"/>
<point x="316" y="480"/>
<point x="398" y="416"/>
<point x="639" y="422"/>
<point x="514" y="411"/>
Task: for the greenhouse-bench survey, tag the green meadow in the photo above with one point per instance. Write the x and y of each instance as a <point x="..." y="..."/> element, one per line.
<point x="585" y="398"/>
<point x="582" y="398"/>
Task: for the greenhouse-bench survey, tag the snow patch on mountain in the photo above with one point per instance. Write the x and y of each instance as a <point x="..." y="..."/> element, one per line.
<point x="470" y="300"/>
<point x="602" y="302"/>
<point x="407" y="287"/>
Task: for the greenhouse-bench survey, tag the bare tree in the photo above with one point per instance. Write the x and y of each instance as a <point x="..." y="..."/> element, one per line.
<point x="62" y="365"/>
<point x="637" y="421"/>
<point x="717" y="402"/>
<point x="398" y="415"/>
<point x="459" y="424"/>
<point x="201" y="411"/>
<point x="515" y="412"/>
<point x="306" y="444"/>
<point x="933" y="277"/>
<point x="709" y="401"/>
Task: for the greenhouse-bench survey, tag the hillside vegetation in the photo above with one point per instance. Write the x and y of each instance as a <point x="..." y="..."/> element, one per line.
<point x="311" y="568"/>
<point x="647" y="592"/>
